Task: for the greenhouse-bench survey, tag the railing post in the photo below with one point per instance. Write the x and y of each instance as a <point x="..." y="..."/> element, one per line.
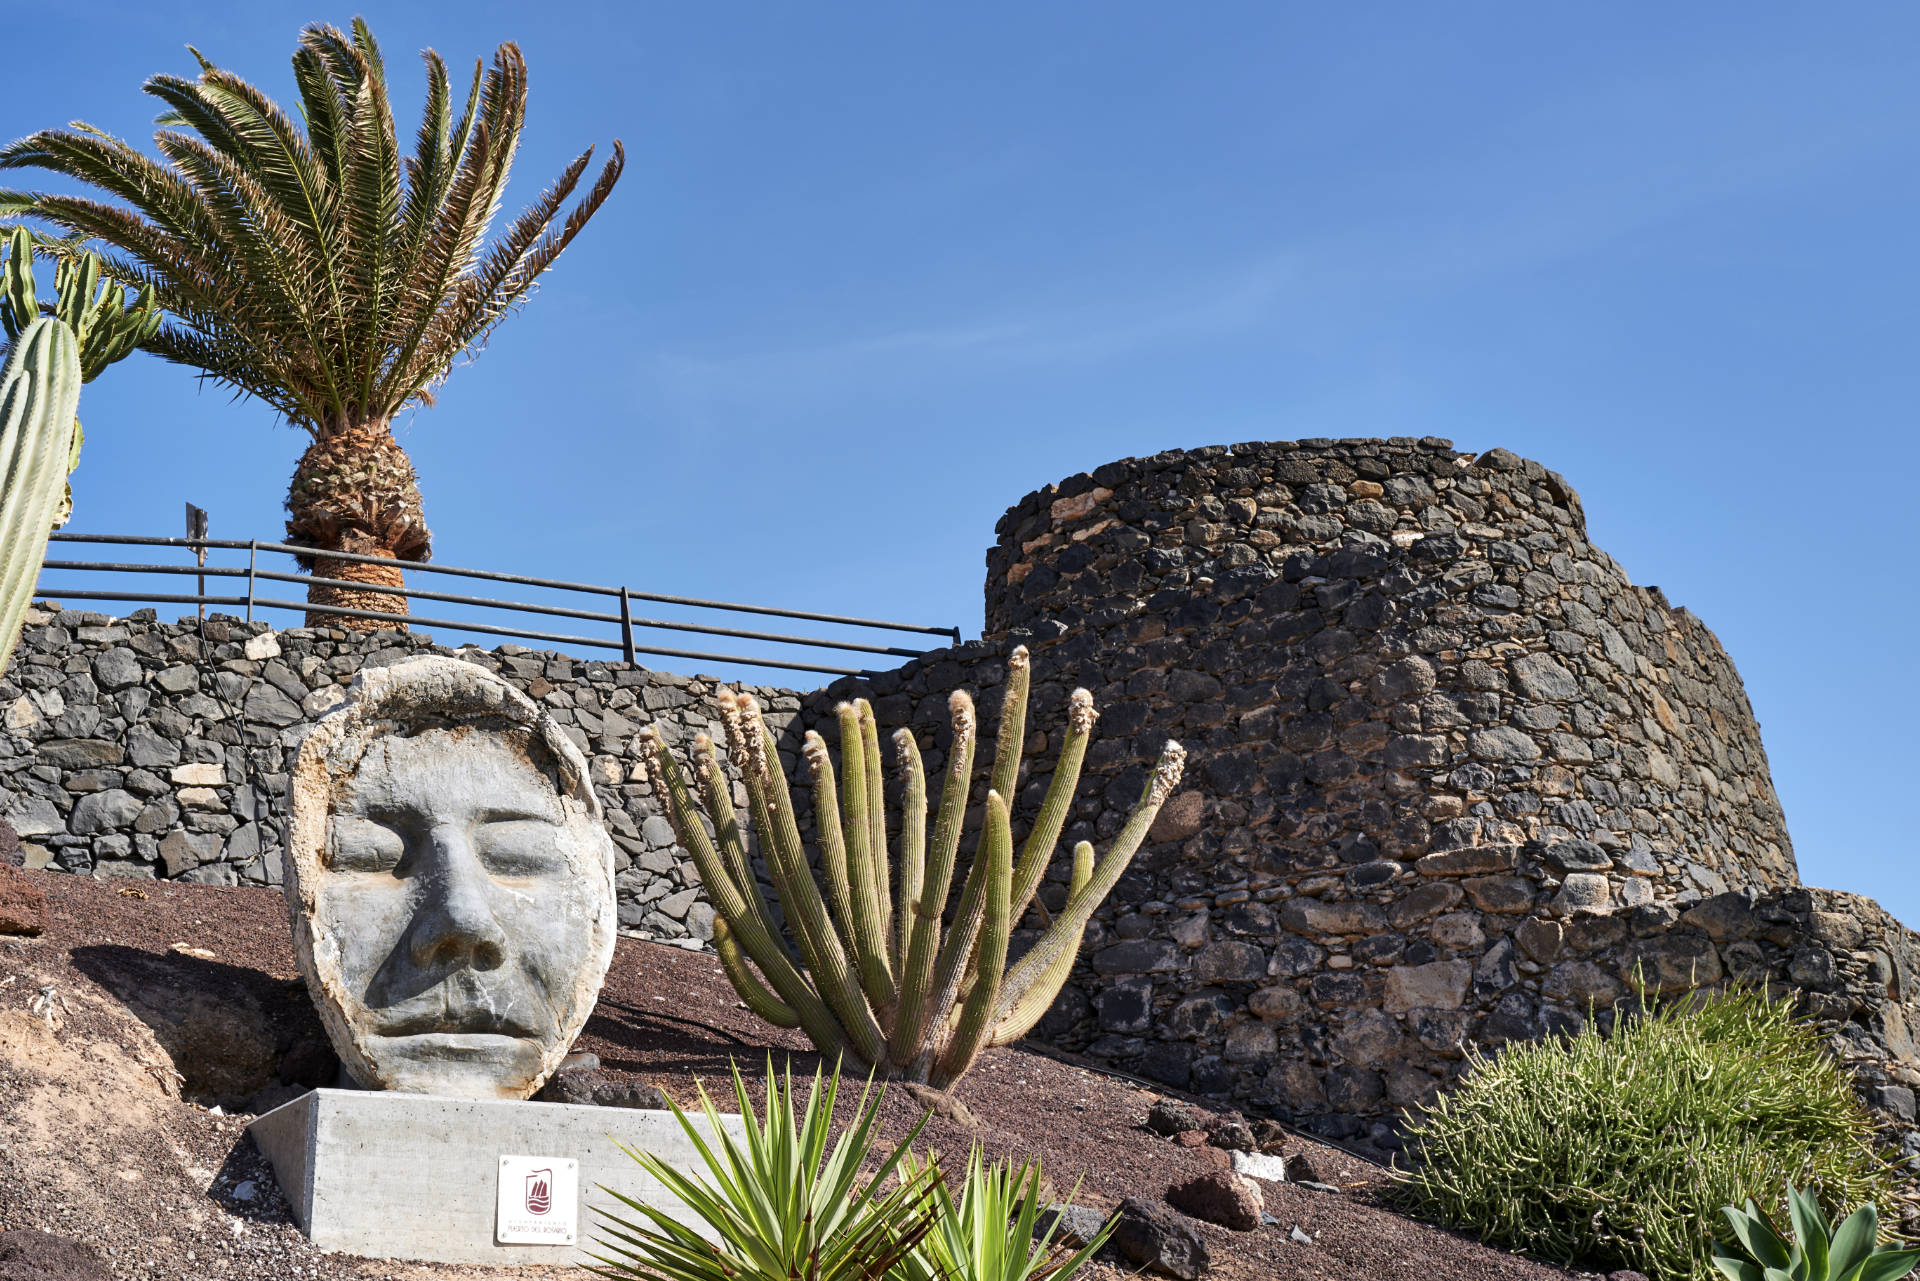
<point x="253" y="551"/>
<point x="626" y="625"/>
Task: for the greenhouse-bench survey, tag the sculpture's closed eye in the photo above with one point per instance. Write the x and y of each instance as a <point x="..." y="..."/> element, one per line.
<point x="357" y="844"/>
<point x="516" y="847"/>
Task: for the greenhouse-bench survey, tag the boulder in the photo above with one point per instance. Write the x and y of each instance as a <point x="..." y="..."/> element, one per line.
<point x="1072" y="1225"/>
<point x="1171" y="1116"/>
<point x="1153" y="1237"/>
<point x="1260" y="1165"/>
<point x="1220" y="1196"/>
<point x="23" y="906"/>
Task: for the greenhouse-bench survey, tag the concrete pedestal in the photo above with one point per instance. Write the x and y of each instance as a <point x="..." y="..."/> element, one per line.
<point x="416" y="1176"/>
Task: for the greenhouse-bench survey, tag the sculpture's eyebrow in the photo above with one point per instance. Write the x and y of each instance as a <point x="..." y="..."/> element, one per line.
<point x="514" y="813"/>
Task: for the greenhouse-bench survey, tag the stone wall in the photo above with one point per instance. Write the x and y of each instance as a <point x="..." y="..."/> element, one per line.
<point x="130" y="747"/>
<point x="1453" y="777"/>
<point x="1431" y="728"/>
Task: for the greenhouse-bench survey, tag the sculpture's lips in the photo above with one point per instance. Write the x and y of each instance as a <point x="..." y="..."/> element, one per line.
<point x="439" y="1021"/>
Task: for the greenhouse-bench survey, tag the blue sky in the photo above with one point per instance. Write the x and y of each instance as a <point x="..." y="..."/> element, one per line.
<point x="875" y="272"/>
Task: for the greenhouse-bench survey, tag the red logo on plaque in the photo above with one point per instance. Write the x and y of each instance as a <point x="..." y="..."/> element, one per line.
<point x="540" y="1192"/>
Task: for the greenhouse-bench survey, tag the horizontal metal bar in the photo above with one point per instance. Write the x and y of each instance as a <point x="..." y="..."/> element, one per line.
<point x="162" y="597"/>
<point x="107" y="567"/>
<point x="494" y="576"/>
<point x="451" y="598"/>
<point x="486" y="628"/>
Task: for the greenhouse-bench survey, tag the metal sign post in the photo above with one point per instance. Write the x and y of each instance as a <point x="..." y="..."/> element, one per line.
<point x="197" y="529"/>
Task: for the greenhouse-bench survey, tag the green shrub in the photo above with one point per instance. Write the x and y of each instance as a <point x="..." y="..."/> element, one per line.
<point x="1618" y="1151"/>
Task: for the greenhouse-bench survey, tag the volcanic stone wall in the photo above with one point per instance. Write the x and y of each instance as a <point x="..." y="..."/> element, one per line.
<point x="1431" y="729"/>
<point x="1453" y="779"/>
<point x="130" y="747"/>
<point x="1428" y="720"/>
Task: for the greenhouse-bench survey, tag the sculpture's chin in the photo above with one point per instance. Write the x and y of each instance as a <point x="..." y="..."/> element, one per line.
<point x="467" y="1065"/>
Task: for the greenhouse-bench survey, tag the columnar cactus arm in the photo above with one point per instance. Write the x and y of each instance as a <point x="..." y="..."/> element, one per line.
<point x="39" y="390"/>
<point x="956" y="972"/>
<point x="1064" y="934"/>
<point x="913" y="842"/>
<point x="990" y="958"/>
<point x="877" y="833"/>
<point x="746" y="983"/>
<point x="19" y="302"/>
<point x="1023" y="1010"/>
<point x="1011" y="737"/>
<point x="733" y="847"/>
<point x="730" y="903"/>
<point x="1037" y="852"/>
<point x="827" y="961"/>
<point x="827" y="831"/>
<point x="911" y="1019"/>
<point x="868" y="937"/>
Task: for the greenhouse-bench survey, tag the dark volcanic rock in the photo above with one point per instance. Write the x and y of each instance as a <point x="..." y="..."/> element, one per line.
<point x="1154" y="1237"/>
<point x="1170" y="1116"/>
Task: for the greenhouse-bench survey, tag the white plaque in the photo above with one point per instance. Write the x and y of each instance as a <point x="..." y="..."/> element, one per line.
<point x="539" y="1201"/>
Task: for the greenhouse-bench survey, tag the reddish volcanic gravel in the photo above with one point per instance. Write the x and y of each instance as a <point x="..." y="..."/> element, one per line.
<point x="153" y="980"/>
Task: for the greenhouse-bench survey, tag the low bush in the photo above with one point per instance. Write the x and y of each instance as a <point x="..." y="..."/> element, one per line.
<point x="1617" y="1151"/>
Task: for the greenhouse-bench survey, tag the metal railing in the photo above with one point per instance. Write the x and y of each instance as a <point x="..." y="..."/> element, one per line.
<point x="624" y="619"/>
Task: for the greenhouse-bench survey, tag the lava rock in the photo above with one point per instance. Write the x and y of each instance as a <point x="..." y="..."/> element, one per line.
<point x="1151" y="1236"/>
<point x="575" y="1087"/>
<point x="1221" y="1196"/>
<point x="1232" y="1133"/>
<point x="1301" y="1169"/>
<point x="1170" y="1116"/>
<point x="23" y="905"/>
<point x="1072" y="1225"/>
<point x="629" y="1094"/>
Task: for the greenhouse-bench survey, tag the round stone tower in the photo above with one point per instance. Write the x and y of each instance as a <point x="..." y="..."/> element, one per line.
<point x="1434" y="731"/>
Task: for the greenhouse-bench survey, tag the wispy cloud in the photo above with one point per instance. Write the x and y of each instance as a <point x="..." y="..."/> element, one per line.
<point x="1102" y="329"/>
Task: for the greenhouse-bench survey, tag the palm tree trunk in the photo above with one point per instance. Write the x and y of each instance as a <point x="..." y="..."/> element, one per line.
<point x="354" y="491"/>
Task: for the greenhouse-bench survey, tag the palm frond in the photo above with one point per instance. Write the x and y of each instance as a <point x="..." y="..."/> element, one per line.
<point x="306" y="261"/>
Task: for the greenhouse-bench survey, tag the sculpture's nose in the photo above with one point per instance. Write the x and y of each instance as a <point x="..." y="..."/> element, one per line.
<point x="455" y="924"/>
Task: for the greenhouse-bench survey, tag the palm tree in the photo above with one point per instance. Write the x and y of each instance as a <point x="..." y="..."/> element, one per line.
<point x="318" y="269"/>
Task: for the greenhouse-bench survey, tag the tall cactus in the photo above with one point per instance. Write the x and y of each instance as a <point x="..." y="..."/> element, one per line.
<point x="39" y="390"/>
<point x="868" y="970"/>
<point x="93" y="306"/>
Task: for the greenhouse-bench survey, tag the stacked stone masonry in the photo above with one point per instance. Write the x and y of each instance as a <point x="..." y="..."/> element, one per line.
<point x="1454" y="780"/>
<point x="129" y="747"/>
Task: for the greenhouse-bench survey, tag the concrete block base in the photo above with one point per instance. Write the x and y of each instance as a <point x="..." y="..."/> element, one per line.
<point x="417" y="1176"/>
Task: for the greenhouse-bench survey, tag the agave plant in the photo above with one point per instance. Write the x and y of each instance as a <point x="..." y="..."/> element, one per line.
<point x="870" y="972"/>
<point x="1817" y="1252"/>
<point x="777" y="1204"/>
<point x="319" y="269"/>
<point x="992" y="1231"/>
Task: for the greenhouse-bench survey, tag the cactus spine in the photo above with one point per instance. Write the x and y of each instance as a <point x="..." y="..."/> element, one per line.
<point x="871" y="973"/>
<point x="39" y="391"/>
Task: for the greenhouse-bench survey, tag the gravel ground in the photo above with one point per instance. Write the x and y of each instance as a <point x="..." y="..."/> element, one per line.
<point x="139" y="1032"/>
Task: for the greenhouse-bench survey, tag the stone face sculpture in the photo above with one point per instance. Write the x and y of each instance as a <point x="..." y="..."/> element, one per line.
<point x="449" y="881"/>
